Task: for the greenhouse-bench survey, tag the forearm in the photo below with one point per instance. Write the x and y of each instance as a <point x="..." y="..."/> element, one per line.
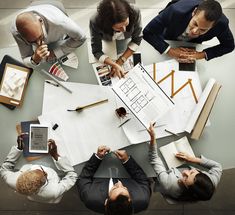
<point x="90" y="167"/>
<point x="135" y="171"/>
<point x="124" y="56"/>
<point x="10" y="162"/>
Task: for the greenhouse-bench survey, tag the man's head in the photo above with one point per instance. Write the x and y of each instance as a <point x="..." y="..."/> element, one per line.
<point x="204" y="17"/>
<point x="119" y="201"/>
<point x="30" y="27"/>
<point x="30" y="182"/>
<point x="198" y="184"/>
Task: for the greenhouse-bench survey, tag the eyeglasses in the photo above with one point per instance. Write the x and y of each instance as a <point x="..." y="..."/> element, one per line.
<point x="40" y="39"/>
<point x="44" y="173"/>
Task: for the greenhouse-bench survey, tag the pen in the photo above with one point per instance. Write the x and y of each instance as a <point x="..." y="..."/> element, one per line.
<point x="56" y="85"/>
<point x="170" y="132"/>
<point x="144" y="129"/>
<point x="54" y="79"/>
<point x="124" y="123"/>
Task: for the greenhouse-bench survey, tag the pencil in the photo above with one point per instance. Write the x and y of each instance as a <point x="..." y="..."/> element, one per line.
<point x="154" y="71"/>
<point x="89" y="105"/>
<point x="92" y="104"/>
<point x="124" y="123"/>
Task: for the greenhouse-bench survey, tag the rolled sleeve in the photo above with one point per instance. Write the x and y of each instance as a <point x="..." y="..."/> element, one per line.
<point x="133" y="46"/>
<point x="102" y="58"/>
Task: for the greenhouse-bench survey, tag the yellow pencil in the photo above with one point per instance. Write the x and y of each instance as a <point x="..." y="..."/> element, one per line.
<point x="89" y="105"/>
<point x="154" y="71"/>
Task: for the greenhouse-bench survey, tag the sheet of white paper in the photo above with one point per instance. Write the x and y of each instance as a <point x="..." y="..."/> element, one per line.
<point x="143" y="96"/>
<point x="109" y="49"/>
<point x="197" y="110"/>
<point x="80" y="133"/>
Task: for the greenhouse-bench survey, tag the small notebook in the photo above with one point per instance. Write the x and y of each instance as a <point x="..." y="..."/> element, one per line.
<point x="168" y="152"/>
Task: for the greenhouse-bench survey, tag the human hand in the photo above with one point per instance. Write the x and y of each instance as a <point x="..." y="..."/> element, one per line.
<point x="53" y="149"/>
<point x="190" y="56"/>
<point x="20" y="141"/>
<point x="102" y="151"/>
<point x="117" y="70"/>
<point x="187" y="157"/>
<point x="122" y="155"/>
<point x="40" y="53"/>
<point x="152" y="133"/>
<point x="182" y="55"/>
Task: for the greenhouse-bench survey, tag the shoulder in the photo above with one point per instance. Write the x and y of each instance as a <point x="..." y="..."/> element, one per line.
<point x="222" y="22"/>
<point x="182" y="6"/>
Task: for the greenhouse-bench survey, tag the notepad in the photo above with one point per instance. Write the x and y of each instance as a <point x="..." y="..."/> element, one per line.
<point x="168" y="152"/>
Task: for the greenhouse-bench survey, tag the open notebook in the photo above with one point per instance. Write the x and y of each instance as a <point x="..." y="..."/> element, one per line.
<point x="168" y="152"/>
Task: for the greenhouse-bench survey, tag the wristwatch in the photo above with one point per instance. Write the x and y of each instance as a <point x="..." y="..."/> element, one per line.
<point x="123" y="59"/>
<point x="33" y="62"/>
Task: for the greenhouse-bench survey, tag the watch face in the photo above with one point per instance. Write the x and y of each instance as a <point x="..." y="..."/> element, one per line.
<point x="123" y="59"/>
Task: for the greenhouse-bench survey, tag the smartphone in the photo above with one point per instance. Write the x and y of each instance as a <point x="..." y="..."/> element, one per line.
<point x="136" y="58"/>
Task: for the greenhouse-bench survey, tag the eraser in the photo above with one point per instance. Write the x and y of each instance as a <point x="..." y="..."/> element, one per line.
<point x="55" y="126"/>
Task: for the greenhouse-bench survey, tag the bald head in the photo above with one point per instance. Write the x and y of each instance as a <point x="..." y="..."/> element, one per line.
<point x="29" y="26"/>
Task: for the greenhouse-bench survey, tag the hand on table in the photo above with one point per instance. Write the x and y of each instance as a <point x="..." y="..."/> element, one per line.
<point x="118" y="71"/>
<point x="187" y="157"/>
<point x="185" y="55"/>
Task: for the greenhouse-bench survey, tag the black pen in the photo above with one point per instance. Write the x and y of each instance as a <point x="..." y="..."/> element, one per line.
<point x="124" y="122"/>
<point x="56" y="85"/>
<point x="170" y="132"/>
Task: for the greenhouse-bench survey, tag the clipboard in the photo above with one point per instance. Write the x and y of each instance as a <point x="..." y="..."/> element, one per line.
<point x="11" y="92"/>
<point x="10" y="60"/>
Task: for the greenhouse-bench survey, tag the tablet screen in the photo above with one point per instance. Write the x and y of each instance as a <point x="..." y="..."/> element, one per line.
<point x="38" y="138"/>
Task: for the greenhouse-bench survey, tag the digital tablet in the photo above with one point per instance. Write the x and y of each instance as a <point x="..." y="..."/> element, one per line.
<point x="38" y="138"/>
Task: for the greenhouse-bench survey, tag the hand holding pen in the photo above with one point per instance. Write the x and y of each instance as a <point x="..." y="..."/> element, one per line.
<point x="152" y="134"/>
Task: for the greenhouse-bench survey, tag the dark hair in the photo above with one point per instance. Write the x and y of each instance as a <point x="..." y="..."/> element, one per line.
<point x="120" y="206"/>
<point x="111" y="12"/>
<point x="212" y="8"/>
<point x="201" y="190"/>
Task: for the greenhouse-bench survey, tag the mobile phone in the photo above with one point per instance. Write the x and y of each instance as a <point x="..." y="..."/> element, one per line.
<point x="136" y="58"/>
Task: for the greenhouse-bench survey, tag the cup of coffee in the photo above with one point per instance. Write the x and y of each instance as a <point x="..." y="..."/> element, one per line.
<point x="121" y="112"/>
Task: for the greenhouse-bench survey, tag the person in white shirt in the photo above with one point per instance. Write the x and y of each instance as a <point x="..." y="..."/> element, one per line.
<point x="45" y="33"/>
<point x="184" y="183"/>
<point x="37" y="182"/>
